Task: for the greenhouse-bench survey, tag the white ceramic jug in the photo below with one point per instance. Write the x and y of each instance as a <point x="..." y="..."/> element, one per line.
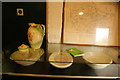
<point x="36" y="34"/>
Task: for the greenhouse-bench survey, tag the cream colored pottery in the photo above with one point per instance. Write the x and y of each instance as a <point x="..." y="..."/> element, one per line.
<point x="97" y="60"/>
<point x="36" y="34"/>
<point x="27" y="59"/>
<point x="61" y="59"/>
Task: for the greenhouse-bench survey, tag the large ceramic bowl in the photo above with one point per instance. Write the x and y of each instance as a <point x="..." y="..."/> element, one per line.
<point x="97" y="60"/>
<point x="26" y="59"/>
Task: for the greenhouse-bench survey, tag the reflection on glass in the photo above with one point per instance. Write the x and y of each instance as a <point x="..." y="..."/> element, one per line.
<point x="81" y="13"/>
<point x="102" y="35"/>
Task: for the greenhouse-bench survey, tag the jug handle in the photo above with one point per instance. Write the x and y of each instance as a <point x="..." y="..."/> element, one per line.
<point x="43" y="27"/>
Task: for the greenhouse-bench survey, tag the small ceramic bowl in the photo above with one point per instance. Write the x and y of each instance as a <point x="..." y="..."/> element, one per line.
<point x="60" y="60"/>
<point x="97" y="60"/>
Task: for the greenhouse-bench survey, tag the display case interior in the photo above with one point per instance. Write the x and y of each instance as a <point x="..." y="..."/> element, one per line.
<point x="15" y="27"/>
<point x="55" y="60"/>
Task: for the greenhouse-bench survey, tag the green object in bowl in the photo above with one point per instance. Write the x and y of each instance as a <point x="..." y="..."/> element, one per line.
<point x="75" y="52"/>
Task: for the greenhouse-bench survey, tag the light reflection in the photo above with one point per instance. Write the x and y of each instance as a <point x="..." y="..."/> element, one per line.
<point x="102" y="35"/>
<point x="81" y="13"/>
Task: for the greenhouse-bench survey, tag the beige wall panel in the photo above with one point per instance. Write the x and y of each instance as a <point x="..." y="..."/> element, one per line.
<point x="91" y="23"/>
<point x="54" y="21"/>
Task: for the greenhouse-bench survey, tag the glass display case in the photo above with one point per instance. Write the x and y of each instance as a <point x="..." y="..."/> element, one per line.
<point x="55" y="61"/>
<point x="78" y="68"/>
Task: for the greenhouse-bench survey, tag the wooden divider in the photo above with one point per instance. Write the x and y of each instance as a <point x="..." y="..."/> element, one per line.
<point x="54" y="12"/>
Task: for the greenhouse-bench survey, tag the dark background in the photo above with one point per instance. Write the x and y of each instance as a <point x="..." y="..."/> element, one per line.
<point x="14" y="27"/>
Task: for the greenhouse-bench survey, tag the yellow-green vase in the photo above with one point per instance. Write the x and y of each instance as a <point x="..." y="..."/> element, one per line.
<point x="36" y="34"/>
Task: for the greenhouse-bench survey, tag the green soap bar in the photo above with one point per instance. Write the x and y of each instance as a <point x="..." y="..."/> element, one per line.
<point x="75" y="52"/>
